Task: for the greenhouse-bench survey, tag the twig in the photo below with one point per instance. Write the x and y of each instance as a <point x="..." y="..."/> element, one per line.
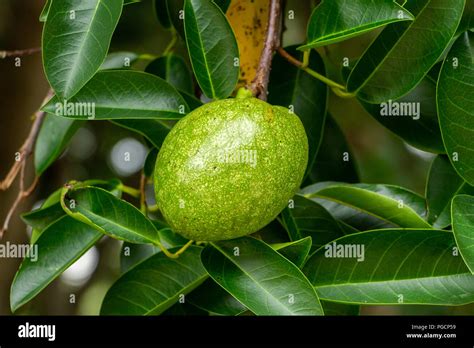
<point x="337" y="88"/>
<point x="26" y="148"/>
<point x="143" y="193"/>
<point x="19" y="53"/>
<point x="259" y="85"/>
<point x="20" y="165"/>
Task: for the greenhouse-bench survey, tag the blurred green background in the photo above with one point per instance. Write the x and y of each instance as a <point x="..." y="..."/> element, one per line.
<point x="380" y="156"/>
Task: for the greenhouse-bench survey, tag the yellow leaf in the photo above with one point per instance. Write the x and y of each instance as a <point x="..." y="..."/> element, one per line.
<point x="248" y="19"/>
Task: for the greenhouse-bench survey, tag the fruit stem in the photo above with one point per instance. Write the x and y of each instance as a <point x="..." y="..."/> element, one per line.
<point x="176" y="254"/>
<point x="337" y="88"/>
<point x="306" y="55"/>
<point x="153" y="208"/>
<point x="174" y="39"/>
<point x="130" y="191"/>
<point x="243" y="93"/>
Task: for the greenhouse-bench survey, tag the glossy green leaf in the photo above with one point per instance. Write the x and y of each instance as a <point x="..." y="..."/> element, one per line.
<point x="132" y="254"/>
<point x="339" y="309"/>
<point x="155" y="284"/>
<point x="122" y="95"/>
<point x="337" y="20"/>
<point x="405" y="51"/>
<point x="161" y="10"/>
<point x="456" y="105"/>
<point x="304" y="217"/>
<point x="463" y="227"/>
<point x="387" y="202"/>
<point x="413" y="117"/>
<point x="397" y="266"/>
<point x="334" y="160"/>
<point x="212" y="298"/>
<point x="260" y="278"/>
<point x="296" y="251"/>
<point x="53" y="137"/>
<point x="191" y="100"/>
<point x="176" y="13"/>
<point x="51" y="209"/>
<point x="467" y="20"/>
<point x="119" y="60"/>
<point x="62" y="243"/>
<point x="184" y="309"/>
<point x="306" y="96"/>
<point x="351" y="219"/>
<point x="212" y="48"/>
<point x="111" y="215"/>
<point x="154" y="130"/>
<point x="443" y="184"/>
<point x="76" y="38"/>
<point x="173" y="69"/>
<point x="41" y="218"/>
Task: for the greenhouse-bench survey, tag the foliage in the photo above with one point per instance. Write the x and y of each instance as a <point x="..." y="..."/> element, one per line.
<point x="344" y="243"/>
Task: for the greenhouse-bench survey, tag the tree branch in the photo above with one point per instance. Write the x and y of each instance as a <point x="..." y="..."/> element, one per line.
<point x="19" y="53"/>
<point x="259" y="85"/>
<point x="19" y="166"/>
<point x="337" y="88"/>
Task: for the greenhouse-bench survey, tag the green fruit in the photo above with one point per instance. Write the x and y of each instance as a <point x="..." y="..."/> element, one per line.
<point x="229" y="167"/>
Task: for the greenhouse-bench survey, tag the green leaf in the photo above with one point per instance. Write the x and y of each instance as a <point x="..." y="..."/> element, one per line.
<point x="334" y="160"/>
<point x="463" y="227"/>
<point x="111" y="215"/>
<point x="173" y="69"/>
<point x="212" y="298"/>
<point x="399" y="267"/>
<point x="154" y="130"/>
<point x="308" y="218"/>
<point x="296" y="251"/>
<point x="390" y="203"/>
<point x="122" y="95"/>
<point x="405" y="51"/>
<point x="59" y="246"/>
<point x="44" y="12"/>
<point x="176" y="13"/>
<point x="161" y="10"/>
<point x="306" y="96"/>
<point x="155" y="285"/>
<point x="184" y="309"/>
<point x="260" y="278"/>
<point x="133" y="254"/>
<point x="337" y="20"/>
<point x="76" y="38"/>
<point x="41" y="218"/>
<point x="418" y="125"/>
<point x="191" y="100"/>
<point x="456" y="105"/>
<point x="149" y="166"/>
<point x="51" y="209"/>
<point x="119" y="60"/>
<point x="53" y="137"/>
<point x="212" y="48"/>
<point x="340" y="309"/>
<point x="443" y="184"/>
